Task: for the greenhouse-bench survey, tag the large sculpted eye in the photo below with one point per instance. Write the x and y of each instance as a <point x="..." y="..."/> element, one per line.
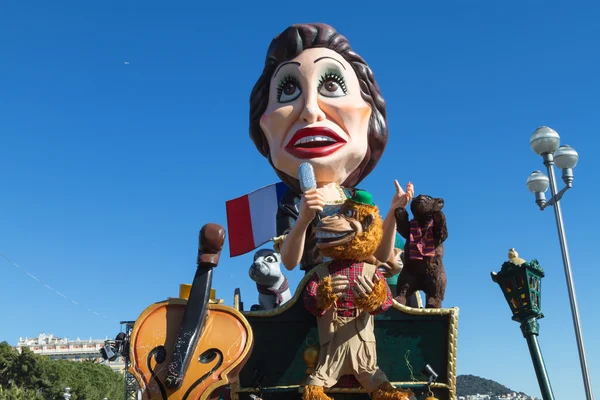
<point x="270" y="259"/>
<point x="332" y="84"/>
<point x="288" y="89"/>
<point x="349" y="213"/>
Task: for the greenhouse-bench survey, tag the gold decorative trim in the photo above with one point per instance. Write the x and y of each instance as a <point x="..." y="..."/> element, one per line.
<point x="342" y="198"/>
<point x="253" y="390"/>
<point x="452" y="352"/>
<point x="424" y="311"/>
<point x="345" y="390"/>
<point x="281" y="309"/>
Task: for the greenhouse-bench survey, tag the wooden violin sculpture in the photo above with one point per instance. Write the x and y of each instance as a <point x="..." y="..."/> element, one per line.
<point x="189" y="349"/>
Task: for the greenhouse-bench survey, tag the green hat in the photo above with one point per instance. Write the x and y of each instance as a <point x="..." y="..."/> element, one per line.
<point x="363" y="197"/>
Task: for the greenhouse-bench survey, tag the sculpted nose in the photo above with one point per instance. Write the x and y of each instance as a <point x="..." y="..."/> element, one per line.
<point x="312" y="111"/>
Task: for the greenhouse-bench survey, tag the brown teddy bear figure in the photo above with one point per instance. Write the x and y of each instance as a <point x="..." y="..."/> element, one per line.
<point x="424" y="250"/>
<point x="344" y="294"/>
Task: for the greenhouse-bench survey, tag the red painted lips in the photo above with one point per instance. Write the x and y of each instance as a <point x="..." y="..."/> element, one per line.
<point x="314" y="142"/>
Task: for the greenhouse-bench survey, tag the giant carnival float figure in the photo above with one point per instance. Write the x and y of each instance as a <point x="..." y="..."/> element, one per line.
<point x="317" y="100"/>
<point x="318" y="116"/>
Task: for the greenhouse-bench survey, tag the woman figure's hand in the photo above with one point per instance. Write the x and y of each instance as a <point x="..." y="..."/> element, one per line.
<point x="312" y="202"/>
<point x="402" y="198"/>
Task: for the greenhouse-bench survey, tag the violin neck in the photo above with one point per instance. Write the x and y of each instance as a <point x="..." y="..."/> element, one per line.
<point x="191" y="327"/>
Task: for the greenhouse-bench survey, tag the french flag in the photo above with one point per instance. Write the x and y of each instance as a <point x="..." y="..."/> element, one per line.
<point x="251" y="219"/>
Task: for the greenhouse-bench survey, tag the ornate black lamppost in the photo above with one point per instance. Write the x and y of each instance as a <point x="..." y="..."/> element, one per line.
<point x="520" y="282"/>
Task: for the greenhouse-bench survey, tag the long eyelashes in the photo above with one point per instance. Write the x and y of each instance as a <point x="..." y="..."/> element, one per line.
<point x="333" y="77"/>
<point x="289" y="82"/>
<point x="330" y="84"/>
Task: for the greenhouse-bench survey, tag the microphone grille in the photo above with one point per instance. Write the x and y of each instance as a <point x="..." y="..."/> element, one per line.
<point x="306" y="176"/>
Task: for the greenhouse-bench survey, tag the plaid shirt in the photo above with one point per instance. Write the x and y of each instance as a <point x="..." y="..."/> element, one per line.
<point x="345" y="304"/>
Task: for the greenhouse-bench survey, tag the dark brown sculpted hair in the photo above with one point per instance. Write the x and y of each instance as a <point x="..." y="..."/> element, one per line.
<point x="289" y="44"/>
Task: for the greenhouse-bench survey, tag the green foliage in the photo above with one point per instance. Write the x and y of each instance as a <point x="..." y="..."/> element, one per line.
<point x="8" y="358"/>
<point x="470" y="384"/>
<point x="27" y="376"/>
<point x="15" y="393"/>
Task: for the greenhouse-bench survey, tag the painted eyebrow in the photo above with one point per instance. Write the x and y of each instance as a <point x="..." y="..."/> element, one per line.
<point x="285" y="63"/>
<point x="331" y="58"/>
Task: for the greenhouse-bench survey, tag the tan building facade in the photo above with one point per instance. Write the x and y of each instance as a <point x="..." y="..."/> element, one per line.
<point x="66" y="349"/>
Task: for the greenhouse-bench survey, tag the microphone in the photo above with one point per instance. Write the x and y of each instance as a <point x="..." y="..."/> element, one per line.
<point x="306" y="176"/>
<point x="308" y="181"/>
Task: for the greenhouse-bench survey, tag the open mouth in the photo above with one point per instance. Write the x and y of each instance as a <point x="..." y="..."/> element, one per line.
<point x="314" y="142"/>
<point x="330" y="237"/>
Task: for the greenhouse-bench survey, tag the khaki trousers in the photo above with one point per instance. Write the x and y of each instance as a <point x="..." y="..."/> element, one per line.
<point x="347" y="354"/>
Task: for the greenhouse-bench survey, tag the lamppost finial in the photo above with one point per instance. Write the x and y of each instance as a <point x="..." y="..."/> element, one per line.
<point x="514" y="258"/>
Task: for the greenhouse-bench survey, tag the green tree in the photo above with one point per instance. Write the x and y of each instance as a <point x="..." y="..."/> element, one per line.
<point x="471" y="384"/>
<point x="87" y="380"/>
<point x="27" y="372"/>
<point x="27" y="376"/>
<point x="7" y="359"/>
<point x="15" y="393"/>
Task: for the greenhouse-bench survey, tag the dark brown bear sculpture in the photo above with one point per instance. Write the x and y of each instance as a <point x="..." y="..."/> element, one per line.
<point x="424" y="250"/>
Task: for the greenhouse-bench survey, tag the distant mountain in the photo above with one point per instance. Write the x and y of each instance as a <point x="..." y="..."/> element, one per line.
<point x="471" y="384"/>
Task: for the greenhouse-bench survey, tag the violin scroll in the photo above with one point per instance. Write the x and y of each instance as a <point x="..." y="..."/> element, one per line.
<point x="212" y="237"/>
<point x="186" y="349"/>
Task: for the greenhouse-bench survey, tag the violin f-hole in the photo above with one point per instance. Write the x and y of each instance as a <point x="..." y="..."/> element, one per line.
<point x="160" y="354"/>
<point x="207" y="356"/>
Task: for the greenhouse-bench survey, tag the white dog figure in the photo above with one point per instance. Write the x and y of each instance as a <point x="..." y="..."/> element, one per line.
<point x="271" y="284"/>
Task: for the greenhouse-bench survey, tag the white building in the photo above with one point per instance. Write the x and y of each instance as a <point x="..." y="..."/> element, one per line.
<point x="514" y="396"/>
<point x="74" y="350"/>
<point x="508" y="396"/>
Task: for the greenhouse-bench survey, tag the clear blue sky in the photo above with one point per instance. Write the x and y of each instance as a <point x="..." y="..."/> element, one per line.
<point x="110" y="169"/>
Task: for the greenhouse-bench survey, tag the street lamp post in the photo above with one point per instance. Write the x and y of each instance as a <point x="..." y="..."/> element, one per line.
<point x="66" y="394"/>
<point x="521" y="284"/>
<point x="545" y="142"/>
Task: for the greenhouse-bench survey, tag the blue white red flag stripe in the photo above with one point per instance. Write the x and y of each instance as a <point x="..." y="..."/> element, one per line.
<point x="251" y="218"/>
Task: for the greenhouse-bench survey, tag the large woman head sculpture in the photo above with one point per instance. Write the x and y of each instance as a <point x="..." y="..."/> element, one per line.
<point x="317" y="100"/>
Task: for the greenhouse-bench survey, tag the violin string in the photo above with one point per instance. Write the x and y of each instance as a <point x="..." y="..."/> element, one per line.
<point x="52" y="289"/>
